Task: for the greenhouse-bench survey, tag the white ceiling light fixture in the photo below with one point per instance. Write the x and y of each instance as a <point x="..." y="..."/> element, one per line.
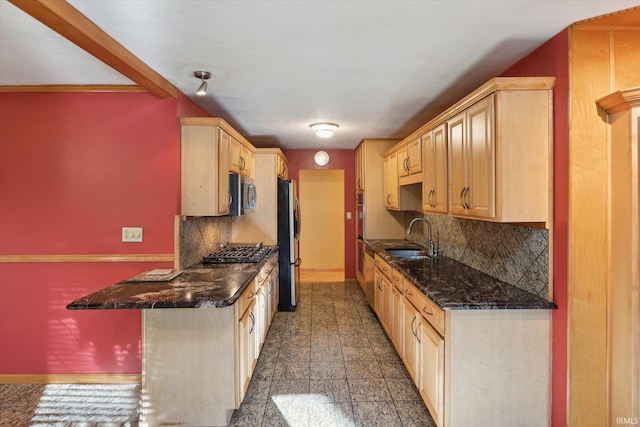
<point x="324" y="130"/>
<point x="203" y="76"/>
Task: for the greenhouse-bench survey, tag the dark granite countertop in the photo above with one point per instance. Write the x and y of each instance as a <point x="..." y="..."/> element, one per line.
<point x="199" y="286"/>
<point x="453" y="286"/>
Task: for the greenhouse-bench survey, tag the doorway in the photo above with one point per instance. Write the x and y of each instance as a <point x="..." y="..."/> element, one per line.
<point x="321" y="195"/>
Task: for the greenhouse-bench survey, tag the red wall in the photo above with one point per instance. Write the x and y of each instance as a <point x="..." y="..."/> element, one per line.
<point x="74" y="169"/>
<point x="339" y="159"/>
<point x="552" y="59"/>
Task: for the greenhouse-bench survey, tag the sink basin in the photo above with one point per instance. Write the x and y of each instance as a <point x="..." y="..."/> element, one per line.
<point x="408" y="253"/>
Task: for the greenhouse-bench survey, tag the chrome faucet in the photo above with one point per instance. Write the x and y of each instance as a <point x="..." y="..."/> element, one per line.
<point x="432" y="252"/>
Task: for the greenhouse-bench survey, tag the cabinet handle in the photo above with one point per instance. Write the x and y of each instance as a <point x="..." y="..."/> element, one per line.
<point x="466" y="203"/>
<point x="253" y="323"/>
<point x="413" y="332"/>
<point x="379" y="281"/>
<point x="388" y="202"/>
<point x="242" y="163"/>
<point x="405" y="164"/>
<point x="461" y="198"/>
<point x="270" y="285"/>
<point x="252" y="295"/>
<point x="416" y="335"/>
<point x="429" y="198"/>
<point x="408" y="292"/>
<point x="427" y="312"/>
<point x="230" y="197"/>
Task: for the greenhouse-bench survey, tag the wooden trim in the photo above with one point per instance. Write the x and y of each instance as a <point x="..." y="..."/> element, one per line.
<point x="619" y="101"/>
<point x="67" y="21"/>
<point x="73" y="88"/>
<point x="88" y="258"/>
<point x="70" y="379"/>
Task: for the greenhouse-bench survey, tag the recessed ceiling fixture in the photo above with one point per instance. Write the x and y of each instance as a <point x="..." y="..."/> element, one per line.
<point x="204" y="76"/>
<point x="324" y="130"/>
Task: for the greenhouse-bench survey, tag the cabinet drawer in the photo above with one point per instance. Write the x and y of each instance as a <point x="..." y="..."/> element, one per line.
<point x="267" y="268"/>
<point x="247" y="297"/>
<point x="427" y="308"/>
<point x="383" y="266"/>
<point x="396" y="279"/>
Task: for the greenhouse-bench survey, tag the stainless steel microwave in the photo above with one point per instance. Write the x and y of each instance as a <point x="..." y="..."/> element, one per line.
<point x="243" y="194"/>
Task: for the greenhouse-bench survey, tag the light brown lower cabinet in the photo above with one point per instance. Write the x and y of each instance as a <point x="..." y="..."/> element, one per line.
<point x="410" y="348"/>
<point x="431" y="369"/>
<point x="472" y="367"/>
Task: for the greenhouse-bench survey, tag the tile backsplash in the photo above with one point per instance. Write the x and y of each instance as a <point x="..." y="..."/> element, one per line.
<point x="515" y="254"/>
<point x="199" y="236"/>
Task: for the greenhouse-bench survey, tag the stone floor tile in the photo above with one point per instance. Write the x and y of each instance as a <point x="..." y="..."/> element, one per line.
<point x="369" y="390"/>
<point x="336" y="414"/>
<point x="248" y="415"/>
<point x="376" y="414"/>
<point x="414" y="414"/>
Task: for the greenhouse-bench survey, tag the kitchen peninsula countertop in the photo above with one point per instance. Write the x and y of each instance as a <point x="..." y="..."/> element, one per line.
<point x="454" y="286"/>
<point x="199" y="286"/>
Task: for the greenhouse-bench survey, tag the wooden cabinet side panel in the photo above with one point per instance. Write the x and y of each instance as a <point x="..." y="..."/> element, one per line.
<point x="199" y="168"/>
<point x="175" y="341"/>
<point x="523" y="126"/>
<point x="498" y="368"/>
<point x="224" y="198"/>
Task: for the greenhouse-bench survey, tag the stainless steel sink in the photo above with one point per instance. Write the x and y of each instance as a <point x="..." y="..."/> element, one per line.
<point x="408" y="253"/>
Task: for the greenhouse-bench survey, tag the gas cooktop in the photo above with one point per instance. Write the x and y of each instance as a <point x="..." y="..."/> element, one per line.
<point x="237" y="253"/>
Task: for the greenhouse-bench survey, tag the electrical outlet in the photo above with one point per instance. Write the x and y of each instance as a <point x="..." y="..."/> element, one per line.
<point x="132" y="234"/>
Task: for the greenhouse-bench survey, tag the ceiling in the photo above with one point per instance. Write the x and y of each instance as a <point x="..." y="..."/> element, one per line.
<point x="377" y="68"/>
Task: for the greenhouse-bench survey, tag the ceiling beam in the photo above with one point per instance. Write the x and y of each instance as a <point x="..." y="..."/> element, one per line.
<point x="67" y="21"/>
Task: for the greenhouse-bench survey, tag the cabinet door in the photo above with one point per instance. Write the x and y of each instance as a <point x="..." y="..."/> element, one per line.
<point x="360" y="168"/>
<point x="234" y="155"/>
<point x="431" y="382"/>
<point x="247" y="353"/>
<point x="224" y="196"/>
<point x="272" y="282"/>
<point x="397" y="320"/>
<point x="414" y="156"/>
<point x="410" y="344"/>
<point x="434" y="185"/>
<point x="247" y="162"/>
<point x="387" y="304"/>
<point x="480" y="197"/>
<point x="390" y="171"/>
<point x="457" y="164"/>
<point x="403" y="160"/>
<point x="377" y="293"/>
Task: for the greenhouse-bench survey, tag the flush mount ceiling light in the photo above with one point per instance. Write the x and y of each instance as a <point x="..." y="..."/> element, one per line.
<point x="324" y="130"/>
<point x="203" y="76"/>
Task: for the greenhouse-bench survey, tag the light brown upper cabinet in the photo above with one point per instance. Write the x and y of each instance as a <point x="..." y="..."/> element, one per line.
<point x="471" y="161"/>
<point x="360" y="165"/>
<point x="410" y="162"/>
<point x="434" y="181"/>
<point x="499" y="145"/>
<point x="241" y="158"/>
<point x="282" y="167"/>
<point x="206" y="145"/>
<point x="390" y="171"/>
<point x="498" y="167"/>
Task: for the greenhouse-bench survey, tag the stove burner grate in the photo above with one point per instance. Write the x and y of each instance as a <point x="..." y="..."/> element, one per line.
<point x="237" y="253"/>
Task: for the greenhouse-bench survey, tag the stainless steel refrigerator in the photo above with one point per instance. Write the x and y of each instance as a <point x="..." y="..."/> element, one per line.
<point x="288" y="238"/>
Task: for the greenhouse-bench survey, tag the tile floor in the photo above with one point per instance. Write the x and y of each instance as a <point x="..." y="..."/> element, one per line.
<point x="329" y="363"/>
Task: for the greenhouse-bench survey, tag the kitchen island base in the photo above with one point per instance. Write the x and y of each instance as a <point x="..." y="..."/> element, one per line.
<point x="188" y="372"/>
